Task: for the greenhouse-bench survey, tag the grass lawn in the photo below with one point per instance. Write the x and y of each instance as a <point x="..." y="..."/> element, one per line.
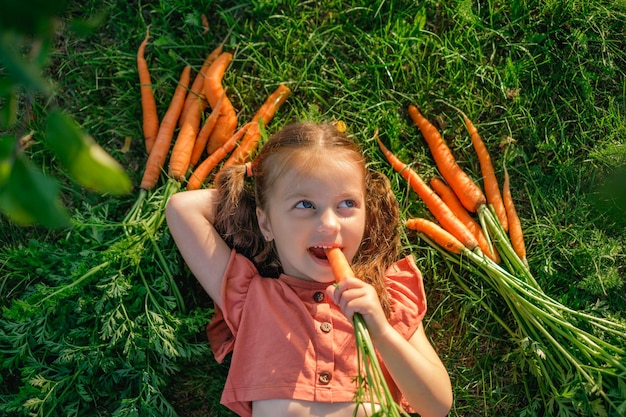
<point x="90" y="323"/>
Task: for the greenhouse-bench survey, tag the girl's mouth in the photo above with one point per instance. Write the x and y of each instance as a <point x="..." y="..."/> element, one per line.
<point x="318" y="252"/>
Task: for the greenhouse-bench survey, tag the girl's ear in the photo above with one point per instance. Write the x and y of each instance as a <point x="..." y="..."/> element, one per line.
<point x="264" y="224"/>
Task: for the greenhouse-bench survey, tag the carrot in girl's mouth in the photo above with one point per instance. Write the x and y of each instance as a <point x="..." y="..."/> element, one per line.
<point x="338" y="263"/>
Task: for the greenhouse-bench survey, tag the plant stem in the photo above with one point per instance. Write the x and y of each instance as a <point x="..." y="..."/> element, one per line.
<point x="80" y="279"/>
<point x="377" y="385"/>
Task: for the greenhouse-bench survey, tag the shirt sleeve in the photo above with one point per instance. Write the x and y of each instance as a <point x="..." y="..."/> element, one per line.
<point x="222" y="329"/>
<point x="407" y="296"/>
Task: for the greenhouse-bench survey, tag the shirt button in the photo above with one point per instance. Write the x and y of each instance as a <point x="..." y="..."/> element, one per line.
<point x="326" y="327"/>
<point x="325" y="377"/>
<point x="318" y="297"/>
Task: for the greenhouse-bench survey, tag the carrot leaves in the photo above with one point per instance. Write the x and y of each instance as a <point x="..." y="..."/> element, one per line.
<point x="101" y="321"/>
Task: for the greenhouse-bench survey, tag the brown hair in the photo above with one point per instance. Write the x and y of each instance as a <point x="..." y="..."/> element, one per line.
<point x="296" y="143"/>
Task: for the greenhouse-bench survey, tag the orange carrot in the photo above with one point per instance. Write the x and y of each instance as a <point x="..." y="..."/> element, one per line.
<point x="515" y="227"/>
<point x="338" y="264"/>
<point x="203" y="135"/>
<point x="490" y="182"/>
<point x="150" y="118"/>
<point x="452" y="201"/>
<point x="203" y="170"/>
<point x="196" y="92"/>
<point x="161" y="147"/>
<point x="213" y="90"/>
<point x="266" y="112"/>
<point x="468" y="192"/>
<point x="437" y="234"/>
<point x="437" y="207"/>
<point x="183" y="146"/>
<point x="214" y="75"/>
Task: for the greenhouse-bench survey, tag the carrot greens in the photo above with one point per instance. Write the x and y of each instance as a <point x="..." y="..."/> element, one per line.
<point x="103" y="320"/>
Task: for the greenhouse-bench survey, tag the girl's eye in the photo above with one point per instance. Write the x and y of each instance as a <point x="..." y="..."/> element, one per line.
<point x="304" y="204"/>
<point x="347" y="204"/>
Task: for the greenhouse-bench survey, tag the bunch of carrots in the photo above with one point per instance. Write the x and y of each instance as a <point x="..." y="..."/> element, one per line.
<point x="577" y="357"/>
<point x="196" y="142"/>
<point x="200" y="143"/>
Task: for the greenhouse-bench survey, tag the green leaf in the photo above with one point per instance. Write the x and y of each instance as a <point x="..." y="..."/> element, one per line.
<point x="26" y="73"/>
<point x="29" y="197"/>
<point x="6" y="86"/>
<point x="30" y="17"/>
<point x="7" y="155"/>
<point x="89" y="164"/>
<point x="610" y="194"/>
<point x="8" y="112"/>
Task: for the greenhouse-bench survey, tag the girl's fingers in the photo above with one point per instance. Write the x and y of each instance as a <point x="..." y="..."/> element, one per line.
<point x="336" y="291"/>
<point x="331" y="291"/>
<point x="353" y="295"/>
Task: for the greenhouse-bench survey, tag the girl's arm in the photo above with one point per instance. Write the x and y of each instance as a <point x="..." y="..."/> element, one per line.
<point x="190" y="215"/>
<point x="417" y="371"/>
<point x="414" y="365"/>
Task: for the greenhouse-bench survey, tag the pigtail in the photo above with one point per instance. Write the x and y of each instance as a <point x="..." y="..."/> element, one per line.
<point x="236" y="221"/>
<point x="381" y="246"/>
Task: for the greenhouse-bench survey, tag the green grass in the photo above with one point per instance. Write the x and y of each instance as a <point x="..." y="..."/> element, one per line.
<point x="548" y="75"/>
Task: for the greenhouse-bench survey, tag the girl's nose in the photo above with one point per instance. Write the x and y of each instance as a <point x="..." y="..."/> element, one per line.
<point x="329" y="222"/>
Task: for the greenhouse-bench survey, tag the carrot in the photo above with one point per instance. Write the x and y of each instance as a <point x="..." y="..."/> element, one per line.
<point x="452" y="201"/>
<point x="213" y="90"/>
<point x="150" y="118"/>
<point x="196" y="92"/>
<point x="157" y="156"/>
<point x="338" y="264"/>
<point x="203" y="170"/>
<point x="515" y="227"/>
<point x="468" y="192"/>
<point x="490" y="182"/>
<point x="266" y="112"/>
<point x="205" y="131"/>
<point x="214" y="76"/>
<point x="435" y="204"/>
<point x="183" y="147"/>
<point x="436" y="233"/>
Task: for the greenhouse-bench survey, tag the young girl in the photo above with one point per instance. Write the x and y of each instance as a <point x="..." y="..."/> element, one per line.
<point x="256" y="245"/>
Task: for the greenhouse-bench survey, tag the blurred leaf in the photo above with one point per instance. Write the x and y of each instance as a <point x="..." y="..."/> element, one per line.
<point x="85" y="27"/>
<point x="8" y="112"/>
<point x="85" y="160"/>
<point x="34" y="17"/>
<point x="23" y="72"/>
<point x="6" y="86"/>
<point x="29" y="197"/>
<point x="7" y="155"/>
<point x="610" y="195"/>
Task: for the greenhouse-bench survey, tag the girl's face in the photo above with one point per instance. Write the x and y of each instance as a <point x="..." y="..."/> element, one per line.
<point x="307" y="212"/>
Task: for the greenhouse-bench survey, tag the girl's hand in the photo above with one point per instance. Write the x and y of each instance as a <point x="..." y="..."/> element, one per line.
<point x="352" y="295"/>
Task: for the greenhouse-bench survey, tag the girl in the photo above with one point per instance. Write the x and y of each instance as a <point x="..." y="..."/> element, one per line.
<point x="256" y="245"/>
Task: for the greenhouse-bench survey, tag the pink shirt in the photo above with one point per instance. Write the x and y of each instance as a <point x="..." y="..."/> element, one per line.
<point x="290" y="341"/>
